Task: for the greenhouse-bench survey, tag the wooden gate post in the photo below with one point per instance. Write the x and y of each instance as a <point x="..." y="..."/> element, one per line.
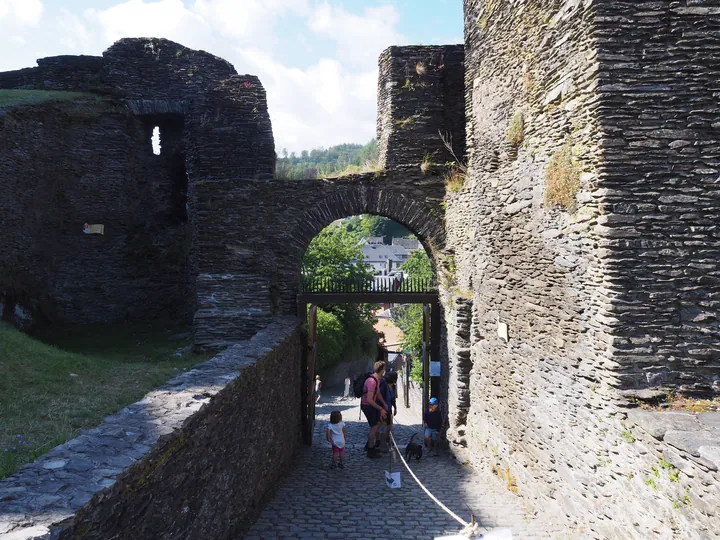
<point x="310" y="389"/>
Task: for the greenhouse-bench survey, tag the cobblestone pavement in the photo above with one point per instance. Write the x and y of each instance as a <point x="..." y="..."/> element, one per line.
<point x="317" y="502"/>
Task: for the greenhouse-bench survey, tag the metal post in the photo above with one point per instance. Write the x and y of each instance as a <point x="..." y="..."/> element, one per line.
<point x="426" y="364"/>
<point x="435" y="345"/>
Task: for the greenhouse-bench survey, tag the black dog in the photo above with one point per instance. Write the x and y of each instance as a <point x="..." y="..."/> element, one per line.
<point x="413" y="449"/>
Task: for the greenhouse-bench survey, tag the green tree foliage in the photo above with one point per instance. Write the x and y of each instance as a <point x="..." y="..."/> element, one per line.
<point x="331" y="340"/>
<point x="320" y="162"/>
<point x="344" y="331"/>
<point x="418" y="265"/>
<point x="368" y="225"/>
<point x="410" y="318"/>
<point x="335" y="253"/>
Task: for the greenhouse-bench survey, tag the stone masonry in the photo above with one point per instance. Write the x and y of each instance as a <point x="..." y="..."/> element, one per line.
<point x="165" y="466"/>
<point x="560" y="318"/>
<point x="579" y="311"/>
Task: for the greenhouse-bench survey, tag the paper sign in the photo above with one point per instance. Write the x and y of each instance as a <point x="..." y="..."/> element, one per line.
<point x="503" y="331"/>
<point x="392" y="479"/>
<point x="93" y="229"/>
<point x="434" y="369"/>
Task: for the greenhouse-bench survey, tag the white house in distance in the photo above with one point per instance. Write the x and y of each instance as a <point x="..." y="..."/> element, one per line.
<point x="387" y="258"/>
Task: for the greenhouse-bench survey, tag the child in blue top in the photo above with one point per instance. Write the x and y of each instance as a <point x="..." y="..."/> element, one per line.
<point x="432" y="422"/>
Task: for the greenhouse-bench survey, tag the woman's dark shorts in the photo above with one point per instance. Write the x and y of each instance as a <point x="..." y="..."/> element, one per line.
<point x="372" y="415"/>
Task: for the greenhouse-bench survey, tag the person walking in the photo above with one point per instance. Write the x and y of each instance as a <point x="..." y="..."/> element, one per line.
<point x="373" y="406"/>
<point x="346" y="394"/>
<point x="388" y="392"/>
<point x="318" y="387"/>
<point x="336" y="436"/>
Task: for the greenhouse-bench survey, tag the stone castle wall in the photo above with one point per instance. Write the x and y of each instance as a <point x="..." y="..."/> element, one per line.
<point x="89" y="160"/>
<point x="551" y="322"/>
<point x="420" y="92"/>
<point x="659" y="114"/>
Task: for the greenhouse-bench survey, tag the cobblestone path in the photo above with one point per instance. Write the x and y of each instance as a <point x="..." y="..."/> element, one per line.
<point x="317" y="502"/>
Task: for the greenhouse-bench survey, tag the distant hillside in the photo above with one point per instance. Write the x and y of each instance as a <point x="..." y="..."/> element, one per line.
<point x="333" y="161"/>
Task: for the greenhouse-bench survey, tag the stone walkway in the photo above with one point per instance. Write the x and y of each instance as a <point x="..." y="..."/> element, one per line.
<point x="317" y="502"/>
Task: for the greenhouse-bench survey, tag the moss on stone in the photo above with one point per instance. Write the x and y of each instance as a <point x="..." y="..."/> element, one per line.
<point x="516" y="130"/>
<point x="13" y="98"/>
<point x="562" y="179"/>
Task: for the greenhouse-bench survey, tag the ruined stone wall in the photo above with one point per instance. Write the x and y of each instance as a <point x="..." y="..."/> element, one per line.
<point x="91" y="161"/>
<point x="543" y="282"/>
<point x="77" y="73"/>
<point x="420" y="92"/>
<point x="66" y="163"/>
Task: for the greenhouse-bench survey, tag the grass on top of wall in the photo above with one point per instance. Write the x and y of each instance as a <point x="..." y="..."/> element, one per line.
<point x="63" y="380"/>
<point x="10" y="98"/>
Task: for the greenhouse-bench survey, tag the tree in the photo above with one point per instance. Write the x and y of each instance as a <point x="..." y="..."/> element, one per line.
<point x="335" y="253"/>
<point x="418" y="265"/>
<point x="410" y="318"/>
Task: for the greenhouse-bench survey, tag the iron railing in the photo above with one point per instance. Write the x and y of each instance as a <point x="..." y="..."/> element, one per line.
<point x="378" y="284"/>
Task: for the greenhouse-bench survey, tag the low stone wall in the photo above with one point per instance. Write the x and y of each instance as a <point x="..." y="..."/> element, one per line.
<point x="204" y="451"/>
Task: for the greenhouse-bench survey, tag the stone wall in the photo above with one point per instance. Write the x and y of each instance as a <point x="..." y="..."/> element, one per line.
<point x="91" y="161"/>
<point x="70" y="162"/>
<point x="420" y="92"/>
<point x="254" y="234"/>
<point x="552" y="309"/>
<point x="661" y="122"/>
<point x="196" y="458"/>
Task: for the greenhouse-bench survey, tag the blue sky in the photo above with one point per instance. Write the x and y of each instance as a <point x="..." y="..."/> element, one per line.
<point x="316" y="58"/>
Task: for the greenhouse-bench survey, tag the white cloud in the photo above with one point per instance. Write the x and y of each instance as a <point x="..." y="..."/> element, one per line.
<point x="25" y="12"/>
<point x="329" y="101"/>
<point x="360" y="37"/>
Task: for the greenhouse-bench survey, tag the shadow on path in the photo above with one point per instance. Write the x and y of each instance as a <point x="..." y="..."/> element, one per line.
<point x="315" y="501"/>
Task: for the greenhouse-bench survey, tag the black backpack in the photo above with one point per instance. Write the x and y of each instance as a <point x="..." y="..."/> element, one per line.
<point x="359" y="382"/>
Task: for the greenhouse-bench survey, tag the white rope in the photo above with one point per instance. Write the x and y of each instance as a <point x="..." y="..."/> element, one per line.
<point x="467" y="526"/>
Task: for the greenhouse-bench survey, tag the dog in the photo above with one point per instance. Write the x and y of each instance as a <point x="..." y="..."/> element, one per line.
<point x="413" y="449"/>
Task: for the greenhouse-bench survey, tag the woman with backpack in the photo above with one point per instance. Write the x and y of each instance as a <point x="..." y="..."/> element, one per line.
<point x="373" y="406"/>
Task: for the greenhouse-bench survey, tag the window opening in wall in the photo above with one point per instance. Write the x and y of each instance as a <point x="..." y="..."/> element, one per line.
<point x="156" y="140"/>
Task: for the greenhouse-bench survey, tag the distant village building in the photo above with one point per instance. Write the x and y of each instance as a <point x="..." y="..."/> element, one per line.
<point x="411" y="244"/>
<point x="383" y="258"/>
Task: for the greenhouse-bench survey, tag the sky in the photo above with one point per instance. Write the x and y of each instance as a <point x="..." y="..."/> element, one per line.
<point x="316" y="58"/>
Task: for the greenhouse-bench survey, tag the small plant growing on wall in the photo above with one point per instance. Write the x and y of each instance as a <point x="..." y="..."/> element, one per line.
<point x="427" y="165"/>
<point x="562" y="179"/>
<point x="456" y="170"/>
<point x="516" y="130"/>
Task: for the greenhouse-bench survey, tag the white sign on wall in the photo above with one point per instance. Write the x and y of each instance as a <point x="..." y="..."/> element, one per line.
<point x="434" y="369"/>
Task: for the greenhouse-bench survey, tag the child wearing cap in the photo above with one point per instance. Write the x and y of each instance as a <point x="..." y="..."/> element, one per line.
<point x="432" y="422"/>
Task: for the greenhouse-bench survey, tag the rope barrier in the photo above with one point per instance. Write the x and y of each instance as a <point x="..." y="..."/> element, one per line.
<point x="468" y="528"/>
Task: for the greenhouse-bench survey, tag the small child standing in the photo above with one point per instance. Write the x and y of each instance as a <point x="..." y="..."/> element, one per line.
<point x="432" y="422"/>
<point x="336" y="435"/>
